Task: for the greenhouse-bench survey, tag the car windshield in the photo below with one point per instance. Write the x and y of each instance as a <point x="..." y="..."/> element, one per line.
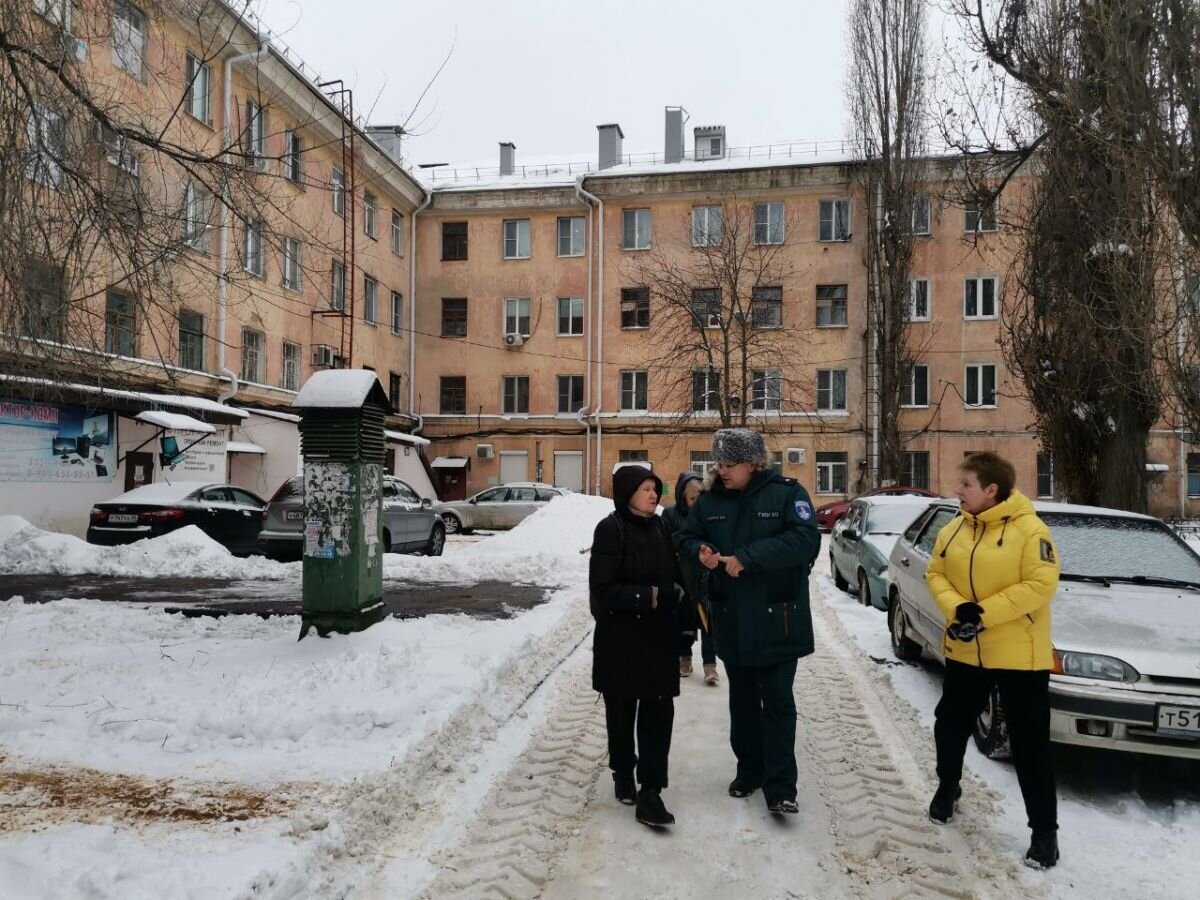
<point x="1112" y="547"/>
<point x="892" y="519"/>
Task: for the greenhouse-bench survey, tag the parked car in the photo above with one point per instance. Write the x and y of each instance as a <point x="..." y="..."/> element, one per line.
<point x="409" y="523"/>
<point x="1126" y="628"/>
<point x="231" y="516"/>
<point x="505" y="506"/>
<point x="829" y="513"/>
<point x="861" y="543"/>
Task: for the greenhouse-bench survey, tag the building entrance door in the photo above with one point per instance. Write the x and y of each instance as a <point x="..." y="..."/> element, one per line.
<point x="139" y="469"/>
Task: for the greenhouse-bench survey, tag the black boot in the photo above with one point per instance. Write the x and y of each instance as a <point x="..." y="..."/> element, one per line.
<point x="1043" y="850"/>
<point x="624" y="788"/>
<point x="941" y="807"/>
<point x="650" y="810"/>
<point x="741" y="788"/>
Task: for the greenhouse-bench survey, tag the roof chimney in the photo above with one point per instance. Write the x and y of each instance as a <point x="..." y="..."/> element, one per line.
<point x="611" y="136"/>
<point x="673" y="151"/>
<point x="508" y="157"/>
<point x="710" y="142"/>
<point x="388" y="137"/>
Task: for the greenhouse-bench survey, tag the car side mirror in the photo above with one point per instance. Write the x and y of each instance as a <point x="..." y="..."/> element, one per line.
<point x="851" y="534"/>
<point x="472" y="500"/>
<point x="426" y="503"/>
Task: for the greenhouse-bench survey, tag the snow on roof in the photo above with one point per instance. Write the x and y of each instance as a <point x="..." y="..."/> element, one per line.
<point x="337" y="389"/>
<point x="449" y="462"/>
<point x="177" y="400"/>
<point x="200" y="403"/>
<point x="273" y="414"/>
<point x="174" y="421"/>
<point x="243" y="447"/>
<point x="161" y="492"/>
<point x="401" y="437"/>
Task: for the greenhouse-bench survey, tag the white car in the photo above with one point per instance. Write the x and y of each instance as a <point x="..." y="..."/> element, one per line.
<point x="505" y="506"/>
<point x="1126" y="629"/>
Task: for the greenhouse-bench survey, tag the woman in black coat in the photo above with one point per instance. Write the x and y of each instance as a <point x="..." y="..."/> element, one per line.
<point x="635" y="663"/>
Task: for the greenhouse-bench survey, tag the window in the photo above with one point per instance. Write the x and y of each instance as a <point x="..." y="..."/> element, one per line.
<point x="197" y="207"/>
<point x="918" y="300"/>
<point x="707" y="226"/>
<point x="570" y="316"/>
<point x="516" y="239"/>
<point x="191" y="341"/>
<point x="831" y="390"/>
<point x="394" y="397"/>
<point x="452" y="398"/>
<point x="292" y="278"/>
<point x="635" y="229"/>
<point x="252" y="248"/>
<point x="981" y="385"/>
<point x="981" y="216"/>
<point x="397" y="232"/>
<point x="635" y="307"/>
<point x="916" y="391"/>
<point x="293" y="146"/>
<point x="1045" y="476"/>
<point x="337" y="185"/>
<point x="397" y="313"/>
<point x="369" y="210"/>
<point x="831" y="472"/>
<point x="47" y="138"/>
<point x="454" y="317"/>
<point x="44" y="313"/>
<point x="290" y="377"/>
<point x="254" y="362"/>
<point x="337" y="286"/>
<point x="1193" y="475"/>
<point x="702" y="461"/>
<point x="706" y="390"/>
<point x="370" y="300"/>
<point x="633" y="456"/>
<point x="768" y="223"/>
<point x="570" y="393"/>
<point x="454" y="240"/>
<point x="128" y="37"/>
<point x="633" y="391"/>
<point x="706" y="307"/>
<point x="916" y="469"/>
<point x="570" y="236"/>
<point x="516" y="316"/>
<point x="919" y="218"/>
<point x="120" y="328"/>
<point x="979" y="298"/>
<point x="766" y="307"/>
<point x="831" y="306"/>
<point x="516" y="394"/>
<point x="196" y="101"/>
<point x="118" y="153"/>
<point x="834" y="221"/>
<point x="766" y="390"/>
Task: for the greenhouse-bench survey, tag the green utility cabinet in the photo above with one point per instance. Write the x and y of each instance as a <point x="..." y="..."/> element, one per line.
<point x="342" y="443"/>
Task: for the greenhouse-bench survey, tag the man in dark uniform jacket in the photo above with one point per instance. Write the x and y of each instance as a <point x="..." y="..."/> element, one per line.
<point x="756" y="532"/>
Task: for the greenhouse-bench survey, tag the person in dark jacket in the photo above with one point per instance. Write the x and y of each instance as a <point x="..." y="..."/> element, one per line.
<point x="635" y="662"/>
<point x="756" y="533"/>
<point x="687" y="489"/>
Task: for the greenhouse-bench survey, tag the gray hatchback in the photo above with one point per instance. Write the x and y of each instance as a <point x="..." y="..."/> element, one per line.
<point x="409" y="525"/>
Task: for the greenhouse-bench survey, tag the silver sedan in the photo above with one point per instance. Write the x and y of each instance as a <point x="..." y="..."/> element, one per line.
<point x="505" y="506"/>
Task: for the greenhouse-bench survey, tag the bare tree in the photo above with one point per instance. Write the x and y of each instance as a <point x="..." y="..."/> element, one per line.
<point x="886" y="94"/>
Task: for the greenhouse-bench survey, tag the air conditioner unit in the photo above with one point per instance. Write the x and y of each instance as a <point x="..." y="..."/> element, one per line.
<point x="513" y="340"/>
<point x="485" y="451"/>
<point x="322" y="356"/>
<point x="712" y="320"/>
<point x="796" y="456"/>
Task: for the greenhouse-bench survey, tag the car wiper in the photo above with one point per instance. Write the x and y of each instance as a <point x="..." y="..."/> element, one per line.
<point x="1164" y="582"/>
<point x="1094" y="579"/>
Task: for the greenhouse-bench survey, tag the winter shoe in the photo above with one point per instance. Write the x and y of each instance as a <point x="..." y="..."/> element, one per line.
<point x="624" y="788"/>
<point x="685" y="667"/>
<point x="740" y="788"/>
<point x="650" y="810"/>
<point x="790" y="807"/>
<point x="1043" y="850"/>
<point x="710" y="675"/>
<point x="941" y="807"/>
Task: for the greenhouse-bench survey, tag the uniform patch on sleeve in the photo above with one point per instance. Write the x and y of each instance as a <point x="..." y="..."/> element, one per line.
<point x="804" y="509"/>
<point x="1047" y="551"/>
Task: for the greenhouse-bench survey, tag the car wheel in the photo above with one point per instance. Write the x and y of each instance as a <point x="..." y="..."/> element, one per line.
<point x="453" y="525"/>
<point x="864" y="588"/>
<point x="387" y="541"/>
<point x="903" y="646"/>
<point x="841" y="583"/>
<point x="991" y="729"/>
<point x="437" y="541"/>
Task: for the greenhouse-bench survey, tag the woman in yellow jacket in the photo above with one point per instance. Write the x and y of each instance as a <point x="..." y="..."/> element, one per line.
<point x="993" y="573"/>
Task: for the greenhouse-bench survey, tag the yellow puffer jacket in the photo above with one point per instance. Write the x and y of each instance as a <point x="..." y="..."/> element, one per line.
<point x="1005" y="560"/>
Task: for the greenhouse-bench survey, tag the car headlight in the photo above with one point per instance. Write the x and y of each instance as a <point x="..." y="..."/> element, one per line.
<point x="1092" y="665"/>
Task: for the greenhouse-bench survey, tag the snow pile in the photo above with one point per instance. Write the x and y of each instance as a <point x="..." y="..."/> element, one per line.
<point x="546" y="549"/>
<point x="188" y="552"/>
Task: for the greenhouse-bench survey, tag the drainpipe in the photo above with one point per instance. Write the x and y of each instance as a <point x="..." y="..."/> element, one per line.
<point x="412" y="311"/>
<point x="587" y="318"/>
<point x="223" y="257"/>
<point x="873" y="400"/>
<point x="599" y="376"/>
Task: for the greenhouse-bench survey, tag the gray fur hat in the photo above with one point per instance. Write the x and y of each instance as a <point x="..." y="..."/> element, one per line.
<point x="738" y="445"/>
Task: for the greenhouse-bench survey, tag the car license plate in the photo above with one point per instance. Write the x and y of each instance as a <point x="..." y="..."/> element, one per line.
<point x="123" y="518"/>
<point x="1183" y="721"/>
<point x="293" y="515"/>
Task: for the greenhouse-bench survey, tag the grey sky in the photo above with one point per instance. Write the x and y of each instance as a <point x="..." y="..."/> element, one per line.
<point x="543" y="74"/>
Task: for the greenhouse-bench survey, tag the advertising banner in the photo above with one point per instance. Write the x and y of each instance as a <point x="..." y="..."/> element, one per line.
<point x="47" y="442"/>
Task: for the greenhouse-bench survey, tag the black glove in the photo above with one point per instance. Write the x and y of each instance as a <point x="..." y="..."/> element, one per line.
<point x="969" y="613"/>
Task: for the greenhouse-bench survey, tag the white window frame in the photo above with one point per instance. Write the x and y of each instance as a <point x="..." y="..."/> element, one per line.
<point x="827" y="395"/>
<point x="711" y="390"/>
<point x="975" y="210"/>
<point x="979" y="281"/>
<point x="516" y="243"/>
<point x="397" y="313"/>
<point x="199" y="89"/>
<point x="128" y="37"/>
<point x="289" y="375"/>
<point x="635" y="382"/>
<point x="915" y="286"/>
<point x="708" y="226"/>
<point x="827" y="470"/>
<point x="711" y="298"/>
<point x="517" y="319"/>
<point x="642" y="228"/>
<point x="574" y="235"/>
<point x="571" y="305"/>
<point x="46" y="133"/>
<point x="845" y="300"/>
<point x="254" y="352"/>
<point x="1037" y="474"/>
<point x="118" y="154"/>
<point x="921" y="218"/>
<point x="56" y="12"/>
<point x="195" y="338"/>
<point x="196" y="215"/>
<point x="293" y="273"/>
<point x="827" y="225"/>
<point x="514" y="382"/>
<point x="978" y="369"/>
<point x="570" y="385"/>
<point x="293" y="149"/>
<point x="908" y="467"/>
<point x="370" y="208"/>
<point x="253" y="258"/>
<point x="337" y="285"/>
<point x="370" y="300"/>
<point x="701" y="462"/>
<point x="762" y="398"/>
<point x="774" y="302"/>
<point x="769" y="223"/>
<point x="337" y="187"/>
<point x="397" y="232"/>
<point x="909" y="398"/>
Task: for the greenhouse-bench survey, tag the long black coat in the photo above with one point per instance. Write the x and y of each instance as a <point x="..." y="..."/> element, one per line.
<point x="635" y="648"/>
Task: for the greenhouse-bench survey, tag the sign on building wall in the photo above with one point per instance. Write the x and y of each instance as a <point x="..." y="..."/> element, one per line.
<point x="46" y="442"/>
<point x="203" y="461"/>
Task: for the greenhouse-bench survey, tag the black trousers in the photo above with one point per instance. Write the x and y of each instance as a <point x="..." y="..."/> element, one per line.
<point x="708" y="648"/>
<point x="652" y="720"/>
<point x="762" y="727"/>
<point x="1025" y="698"/>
